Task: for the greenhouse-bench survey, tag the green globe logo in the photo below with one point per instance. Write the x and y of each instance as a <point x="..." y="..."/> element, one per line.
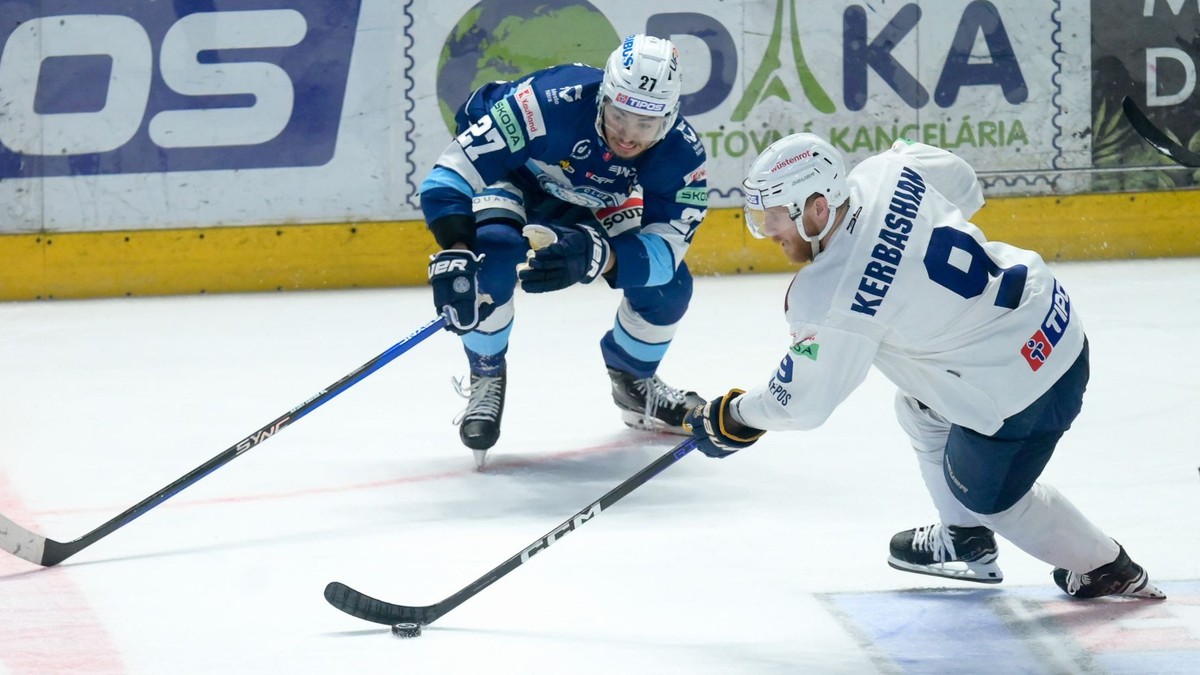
<point x="504" y="39"/>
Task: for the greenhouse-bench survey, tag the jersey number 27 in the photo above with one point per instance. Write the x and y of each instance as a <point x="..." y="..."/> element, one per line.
<point x="482" y="129"/>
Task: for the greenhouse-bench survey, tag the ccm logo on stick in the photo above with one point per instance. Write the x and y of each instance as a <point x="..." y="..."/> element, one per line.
<point x="569" y="526"/>
<point x="105" y="87"/>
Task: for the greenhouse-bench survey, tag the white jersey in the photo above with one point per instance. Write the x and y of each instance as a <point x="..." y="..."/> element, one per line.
<point x="975" y="330"/>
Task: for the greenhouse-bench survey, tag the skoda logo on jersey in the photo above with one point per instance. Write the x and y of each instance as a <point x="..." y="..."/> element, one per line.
<point x="147" y="87"/>
<point x="582" y="149"/>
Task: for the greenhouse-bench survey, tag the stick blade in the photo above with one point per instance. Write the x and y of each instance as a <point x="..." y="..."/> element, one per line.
<point x="1155" y="136"/>
<point x="363" y="606"/>
<point x="25" y="544"/>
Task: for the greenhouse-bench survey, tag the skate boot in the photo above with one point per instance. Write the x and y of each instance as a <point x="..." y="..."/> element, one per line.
<point x="1119" y="577"/>
<point x="966" y="553"/>
<point x="650" y="404"/>
<point x="479" y="424"/>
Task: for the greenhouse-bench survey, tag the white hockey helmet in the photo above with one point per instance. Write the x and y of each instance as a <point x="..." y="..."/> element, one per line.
<point x="787" y="173"/>
<point x="642" y="77"/>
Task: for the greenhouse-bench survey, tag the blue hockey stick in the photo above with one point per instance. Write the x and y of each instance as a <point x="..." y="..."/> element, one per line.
<point x="39" y="550"/>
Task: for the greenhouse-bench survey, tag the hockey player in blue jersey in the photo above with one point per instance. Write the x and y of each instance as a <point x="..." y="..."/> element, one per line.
<point x="599" y="168"/>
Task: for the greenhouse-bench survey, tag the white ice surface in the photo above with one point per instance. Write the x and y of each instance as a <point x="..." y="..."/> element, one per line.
<point x="771" y="561"/>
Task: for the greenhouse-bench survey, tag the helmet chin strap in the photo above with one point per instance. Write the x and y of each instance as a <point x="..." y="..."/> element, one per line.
<point x="816" y="241"/>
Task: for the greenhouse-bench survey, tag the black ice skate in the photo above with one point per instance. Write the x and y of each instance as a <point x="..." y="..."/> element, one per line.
<point x="1119" y="577"/>
<point x="966" y="553"/>
<point x="650" y="404"/>
<point x="479" y="424"/>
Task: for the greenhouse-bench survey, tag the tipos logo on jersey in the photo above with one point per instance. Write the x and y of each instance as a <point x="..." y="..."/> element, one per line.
<point x="1041" y="344"/>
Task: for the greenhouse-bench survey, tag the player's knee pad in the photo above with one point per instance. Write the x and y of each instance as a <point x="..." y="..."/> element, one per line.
<point x="631" y="325"/>
<point x="503" y="248"/>
<point x="662" y="305"/>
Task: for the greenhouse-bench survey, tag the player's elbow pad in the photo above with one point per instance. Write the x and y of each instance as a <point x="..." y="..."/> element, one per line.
<point x="453" y="229"/>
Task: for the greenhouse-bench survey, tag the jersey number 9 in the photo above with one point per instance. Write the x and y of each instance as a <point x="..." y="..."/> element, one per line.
<point x="972" y="282"/>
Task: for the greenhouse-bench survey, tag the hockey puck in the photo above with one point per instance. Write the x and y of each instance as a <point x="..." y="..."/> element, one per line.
<point x="406" y="630"/>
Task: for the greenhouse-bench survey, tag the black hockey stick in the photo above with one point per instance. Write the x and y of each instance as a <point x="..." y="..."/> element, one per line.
<point x="1156" y="137"/>
<point x="39" y="550"/>
<point x="364" y="606"/>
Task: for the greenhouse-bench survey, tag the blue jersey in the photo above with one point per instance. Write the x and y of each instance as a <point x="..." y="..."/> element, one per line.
<point x="541" y="131"/>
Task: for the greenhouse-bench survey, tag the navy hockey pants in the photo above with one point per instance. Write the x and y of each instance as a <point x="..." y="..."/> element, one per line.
<point x="988" y="474"/>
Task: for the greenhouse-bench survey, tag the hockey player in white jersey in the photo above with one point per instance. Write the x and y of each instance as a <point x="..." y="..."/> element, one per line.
<point x="987" y="351"/>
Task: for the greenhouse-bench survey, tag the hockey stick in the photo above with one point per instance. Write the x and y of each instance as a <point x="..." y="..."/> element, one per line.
<point x="1156" y="137"/>
<point x="365" y="607"/>
<point x="46" y="552"/>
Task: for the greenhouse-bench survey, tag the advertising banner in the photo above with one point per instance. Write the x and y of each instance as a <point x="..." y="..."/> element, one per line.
<point x="990" y="81"/>
<point x="1147" y="51"/>
<point x="124" y="114"/>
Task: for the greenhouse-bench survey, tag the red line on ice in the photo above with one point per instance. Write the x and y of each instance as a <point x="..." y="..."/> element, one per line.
<point x="46" y="622"/>
<point x="468" y="470"/>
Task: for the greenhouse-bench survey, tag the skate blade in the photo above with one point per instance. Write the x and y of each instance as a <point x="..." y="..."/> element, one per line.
<point x="480" y="458"/>
<point x="978" y="572"/>
<point x="1148" y="591"/>
<point x="635" y="420"/>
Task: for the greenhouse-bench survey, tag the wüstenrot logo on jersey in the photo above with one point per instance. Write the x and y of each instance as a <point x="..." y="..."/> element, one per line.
<point x="141" y="89"/>
<point x="785" y="163"/>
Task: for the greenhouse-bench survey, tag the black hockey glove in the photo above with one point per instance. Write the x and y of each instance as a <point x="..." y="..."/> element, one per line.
<point x="453" y="276"/>
<point x="579" y="255"/>
<point x="719" y="436"/>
